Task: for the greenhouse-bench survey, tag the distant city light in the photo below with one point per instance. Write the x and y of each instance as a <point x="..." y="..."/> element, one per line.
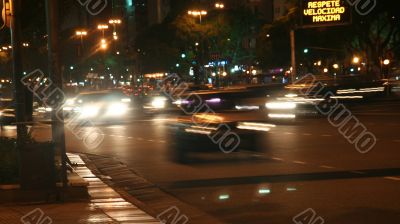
<point x="306" y="51"/>
<point x="71" y="67"/>
<point x="356" y="60"/>
<point x="386" y="62"/>
<point x="326" y="70"/>
<point x="335" y="66"/>
<point x="183" y="55"/>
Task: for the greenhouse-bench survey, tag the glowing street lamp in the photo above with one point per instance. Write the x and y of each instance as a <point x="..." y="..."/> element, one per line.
<point x="81" y="34"/>
<point x="197" y="13"/>
<point x="356" y="60"/>
<point x="114" y="21"/>
<point x="386" y="62"/>
<point x="219" y="5"/>
<point x="335" y="66"/>
<point x="103" y="44"/>
<point x="102" y="27"/>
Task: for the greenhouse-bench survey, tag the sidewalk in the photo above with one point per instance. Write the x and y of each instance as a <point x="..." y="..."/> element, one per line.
<point x="104" y="206"/>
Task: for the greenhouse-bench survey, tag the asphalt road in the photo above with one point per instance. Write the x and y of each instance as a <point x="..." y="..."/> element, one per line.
<point x="304" y="165"/>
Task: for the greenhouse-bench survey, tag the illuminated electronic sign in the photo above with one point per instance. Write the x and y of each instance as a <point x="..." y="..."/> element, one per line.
<point x="325" y="13"/>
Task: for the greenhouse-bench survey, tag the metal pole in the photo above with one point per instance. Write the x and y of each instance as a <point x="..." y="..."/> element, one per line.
<point x="58" y="135"/>
<point x="293" y="55"/>
<point x="19" y="89"/>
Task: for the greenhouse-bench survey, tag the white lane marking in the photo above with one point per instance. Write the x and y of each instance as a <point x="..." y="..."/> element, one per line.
<point x="392" y="178"/>
<point x="327" y="167"/>
<point x="326" y="135"/>
<point x="288" y="133"/>
<point x="299" y="162"/>
<point x="150" y="140"/>
<point x="276" y="158"/>
<point x="307" y="134"/>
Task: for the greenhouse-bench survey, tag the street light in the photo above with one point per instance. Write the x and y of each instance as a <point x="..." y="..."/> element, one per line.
<point x="197" y="13"/>
<point x="356" y="60"/>
<point x="103" y="44"/>
<point x="81" y="34"/>
<point x="114" y="21"/>
<point x="386" y="62"/>
<point x="102" y="27"/>
<point x="335" y="66"/>
<point x="219" y="5"/>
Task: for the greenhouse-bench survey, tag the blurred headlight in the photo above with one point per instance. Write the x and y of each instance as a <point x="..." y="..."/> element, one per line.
<point x="126" y="100"/>
<point x="159" y="102"/>
<point x="90" y="111"/>
<point x="70" y="102"/>
<point x="117" y="109"/>
<point x="281" y="105"/>
<point x="255" y="126"/>
<point x="181" y="102"/>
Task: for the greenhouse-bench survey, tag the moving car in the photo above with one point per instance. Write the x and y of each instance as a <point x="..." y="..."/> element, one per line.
<point x="223" y="133"/>
<point x="101" y="105"/>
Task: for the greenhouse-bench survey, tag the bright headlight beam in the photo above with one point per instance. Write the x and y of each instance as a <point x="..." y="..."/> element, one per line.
<point x="117" y="109"/>
<point x="280" y="105"/>
<point x="282" y="116"/>
<point x="159" y="102"/>
<point x="90" y="111"/>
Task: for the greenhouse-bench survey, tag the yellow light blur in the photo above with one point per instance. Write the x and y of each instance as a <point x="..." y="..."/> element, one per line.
<point x="356" y="60"/>
<point x="386" y="62"/>
<point x="219" y="5"/>
<point x="197" y="13"/>
<point x="103" y="44"/>
<point x="224" y="74"/>
<point x="115" y="21"/>
<point x="102" y="27"/>
<point x="81" y="33"/>
<point x="335" y="66"/>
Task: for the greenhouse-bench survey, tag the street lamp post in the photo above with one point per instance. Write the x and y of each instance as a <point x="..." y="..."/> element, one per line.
<point x="115" y="22"/>
<point x="102" y="27"/>
<point x="80" y="34"/>
<point x="198" y="13"/>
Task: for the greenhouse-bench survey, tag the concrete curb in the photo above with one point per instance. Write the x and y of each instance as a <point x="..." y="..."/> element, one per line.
<point x="139" y="191"/>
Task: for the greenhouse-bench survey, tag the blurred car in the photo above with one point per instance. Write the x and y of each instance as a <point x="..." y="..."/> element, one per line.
<point x="156" y="102"/>
<point x="100" y="105"/>
<point x="291" y="106"/>
<point x="233" y="99"/>
<point x="210" y="132"/>
<point x="7" y="112"/>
